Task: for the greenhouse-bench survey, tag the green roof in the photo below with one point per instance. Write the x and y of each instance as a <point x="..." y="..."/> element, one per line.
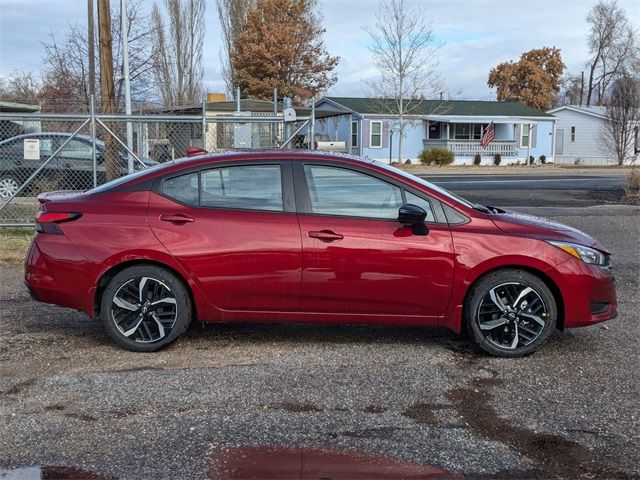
<point x="441" y="107"/>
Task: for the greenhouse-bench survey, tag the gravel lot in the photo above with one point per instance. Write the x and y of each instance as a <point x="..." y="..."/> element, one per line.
<point x="76" y="406"/>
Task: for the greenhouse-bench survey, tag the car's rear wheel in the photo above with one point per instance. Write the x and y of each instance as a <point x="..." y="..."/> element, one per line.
<point x="510" y="313"/>
<point x="8" y="185"/>
<point x="145" y="308"/>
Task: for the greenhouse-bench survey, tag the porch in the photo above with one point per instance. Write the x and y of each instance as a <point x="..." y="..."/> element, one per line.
<point x="462" y="134"/>
<point x="469" y="148"/>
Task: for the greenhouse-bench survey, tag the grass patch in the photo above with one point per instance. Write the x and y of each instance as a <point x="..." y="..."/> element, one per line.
<point x="14" y="243"/>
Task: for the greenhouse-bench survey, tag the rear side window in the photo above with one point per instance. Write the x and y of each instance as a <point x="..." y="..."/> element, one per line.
<point x="251" y="187"/>
<point x="184" y="188"/>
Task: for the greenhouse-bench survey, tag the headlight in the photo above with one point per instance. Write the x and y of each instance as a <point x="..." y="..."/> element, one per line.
<point x="586" y="254"/>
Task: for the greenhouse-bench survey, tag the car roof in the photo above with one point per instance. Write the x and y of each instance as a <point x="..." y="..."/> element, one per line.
<point x="279" y="153"/>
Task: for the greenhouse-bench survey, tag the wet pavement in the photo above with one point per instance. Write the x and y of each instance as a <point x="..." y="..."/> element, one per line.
<point x="312" y="401"/>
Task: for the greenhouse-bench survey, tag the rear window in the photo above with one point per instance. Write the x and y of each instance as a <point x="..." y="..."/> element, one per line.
<point x="126" y="178"/>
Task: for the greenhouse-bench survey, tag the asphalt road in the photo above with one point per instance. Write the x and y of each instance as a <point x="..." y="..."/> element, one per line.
<point x="535" y="189"/>
<point x="337" y="398"/>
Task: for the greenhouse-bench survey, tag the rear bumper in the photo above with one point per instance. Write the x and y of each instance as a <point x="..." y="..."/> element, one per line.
<point x="48" y="284"/>
<point x="588" y="293"/>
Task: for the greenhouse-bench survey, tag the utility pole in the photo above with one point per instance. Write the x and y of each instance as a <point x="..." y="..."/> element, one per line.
<point x="107" y="94"/>
<point x="91" y="48"/>
<point x="127" y="82"/>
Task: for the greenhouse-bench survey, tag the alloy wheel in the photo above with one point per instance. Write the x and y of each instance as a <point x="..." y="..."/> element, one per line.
<point x="144" y="309"/>
<point x="512" y="315"/>
<point x="8" y="187"/>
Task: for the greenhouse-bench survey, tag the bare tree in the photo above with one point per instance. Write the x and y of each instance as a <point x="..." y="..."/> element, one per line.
<point x="66" y="85"/>
<point x="613" y="45"/>
<point x="232" y="15"/>
<point x="571" y="90"/>
<point x="622" y="109"/>
<point x="178" y="50"/>
<point x="403" y="52"/>
<point x="20" y="87"/>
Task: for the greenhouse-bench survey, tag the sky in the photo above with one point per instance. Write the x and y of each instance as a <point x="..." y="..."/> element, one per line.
<point x="474" y="36"/>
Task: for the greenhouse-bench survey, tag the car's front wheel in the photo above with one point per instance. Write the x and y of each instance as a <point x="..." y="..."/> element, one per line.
<point x="8" y="185"/>
<point x="145" y="308"/>
<point x="510" y="313"/>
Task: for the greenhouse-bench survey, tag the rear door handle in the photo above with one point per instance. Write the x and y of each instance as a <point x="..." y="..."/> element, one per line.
<point x="326" y="235"/>
<point x="177" y="218"/>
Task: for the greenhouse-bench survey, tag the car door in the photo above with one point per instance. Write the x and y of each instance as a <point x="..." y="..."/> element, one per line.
<point x="75" y="162"/>
<point x="357" y="258"/>
<point x="234" y="227"/>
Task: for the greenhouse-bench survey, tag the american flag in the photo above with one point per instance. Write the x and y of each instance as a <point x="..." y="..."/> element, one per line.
<point x="489" y="134"/>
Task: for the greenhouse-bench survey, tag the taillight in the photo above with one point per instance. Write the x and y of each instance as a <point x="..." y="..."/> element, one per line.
<point x="47" y="222"/>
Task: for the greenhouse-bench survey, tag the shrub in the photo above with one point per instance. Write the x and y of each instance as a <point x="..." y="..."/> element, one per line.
<point x="497" y="158"/>
<point x="437" y="155"/>
<point x="532" y="160"/>
<point x="632" y="185"/>
<point x="407" y="162"/>
<point x="477" y="159"/>
<point x="543" y="159"/>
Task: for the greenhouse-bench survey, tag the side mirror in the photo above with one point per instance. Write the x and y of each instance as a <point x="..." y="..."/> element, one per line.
<point x="412" y="215"/>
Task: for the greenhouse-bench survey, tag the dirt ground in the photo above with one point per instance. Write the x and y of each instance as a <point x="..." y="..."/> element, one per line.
<point x="73" y="405"/>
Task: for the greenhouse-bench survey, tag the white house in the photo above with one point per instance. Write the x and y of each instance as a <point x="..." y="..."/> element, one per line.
<point x="457" y="125"/>
<point x="579" y="136"/>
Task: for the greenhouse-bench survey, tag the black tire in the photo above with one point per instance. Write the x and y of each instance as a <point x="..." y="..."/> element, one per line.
<point x="146" y="325"/>
<point x="497" y="321"/>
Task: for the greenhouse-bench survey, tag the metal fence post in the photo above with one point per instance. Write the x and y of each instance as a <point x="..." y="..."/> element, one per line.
<point x="204" y="123"/>
<point x="94" y="161"/>
<point x="312" y="139"/>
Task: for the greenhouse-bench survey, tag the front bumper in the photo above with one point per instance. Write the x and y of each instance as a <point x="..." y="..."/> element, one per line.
<point x="588" y="293"/>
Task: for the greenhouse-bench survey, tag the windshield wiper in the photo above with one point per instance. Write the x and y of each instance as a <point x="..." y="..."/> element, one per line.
<point x="482" y="208"/>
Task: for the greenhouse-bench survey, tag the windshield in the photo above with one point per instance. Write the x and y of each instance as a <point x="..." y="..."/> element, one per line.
<point x="132" y="176"/>
<point x="422" y="181"/>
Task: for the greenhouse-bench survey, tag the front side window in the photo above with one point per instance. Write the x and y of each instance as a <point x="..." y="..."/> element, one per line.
<point x="376" y="134"/>
<point x="342" y="192"/>
<point x="524" y="136"/>
<point x="422" y="203"/>
<point x="251" y="187"/>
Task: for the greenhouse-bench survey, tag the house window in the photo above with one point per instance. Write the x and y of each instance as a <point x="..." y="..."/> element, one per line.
<point x="354" y="134"/>
<point x="375" y="140"/>
<point x="636" y="140"/>
<point x="525" y="134"/>
<point x="461" y="131"/>
<point x="573" y="134"/>
<point x="478" y="130"/>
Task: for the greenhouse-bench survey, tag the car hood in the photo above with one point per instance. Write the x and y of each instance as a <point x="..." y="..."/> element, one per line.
<point x="542" y="228"/>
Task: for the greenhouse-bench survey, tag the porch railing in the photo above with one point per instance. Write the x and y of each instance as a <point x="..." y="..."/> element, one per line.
<point x="469" y="148"/>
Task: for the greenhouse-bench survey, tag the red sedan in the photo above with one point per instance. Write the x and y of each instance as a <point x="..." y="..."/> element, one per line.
<point x="292" y="236"/>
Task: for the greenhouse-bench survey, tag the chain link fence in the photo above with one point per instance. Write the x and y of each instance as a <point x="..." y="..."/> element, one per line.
<point x="45" y="152"/>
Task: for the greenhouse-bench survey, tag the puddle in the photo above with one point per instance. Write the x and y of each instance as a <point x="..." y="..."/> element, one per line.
<point x="51" y="473"/>
<point x="304" y="463"/>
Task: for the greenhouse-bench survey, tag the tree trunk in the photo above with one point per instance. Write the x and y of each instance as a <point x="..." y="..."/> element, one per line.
<point x="107" y="94"/>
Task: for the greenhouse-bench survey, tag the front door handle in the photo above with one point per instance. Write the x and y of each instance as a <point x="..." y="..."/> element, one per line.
<point x="326" y="235"/>
<point x="177" y="218"/>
